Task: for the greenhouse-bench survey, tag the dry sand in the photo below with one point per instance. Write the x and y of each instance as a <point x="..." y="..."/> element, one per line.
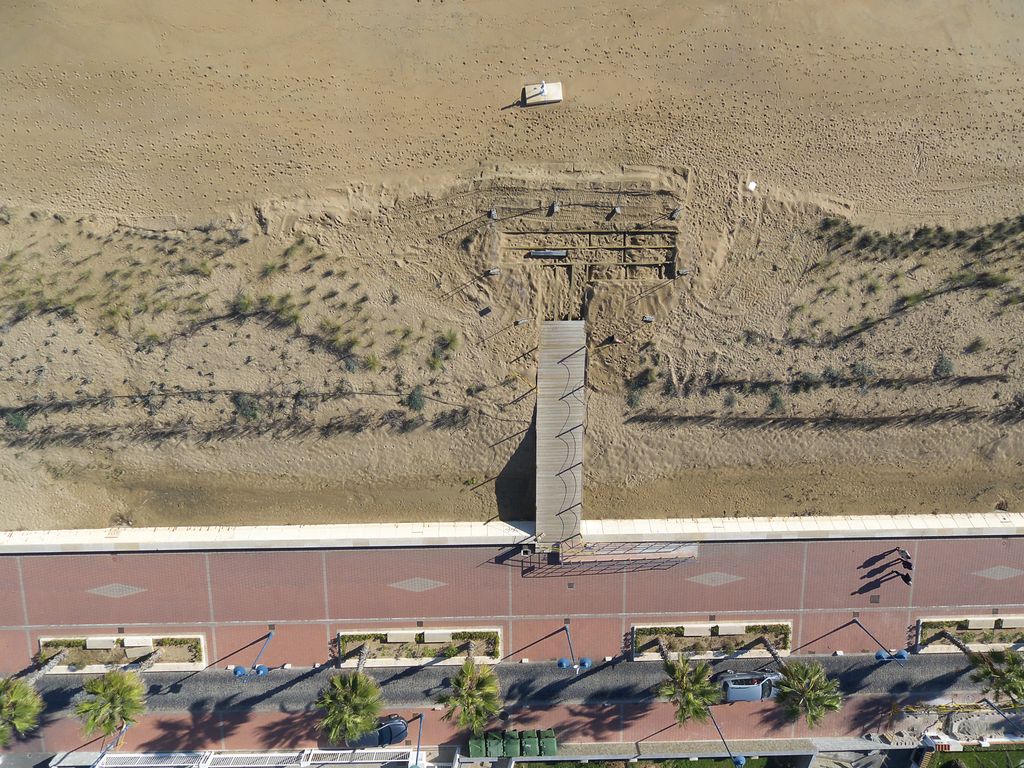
<point x="165" y="168"/>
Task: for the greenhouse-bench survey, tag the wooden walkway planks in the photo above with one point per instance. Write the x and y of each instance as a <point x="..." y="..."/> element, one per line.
<point x="561" y="407"/>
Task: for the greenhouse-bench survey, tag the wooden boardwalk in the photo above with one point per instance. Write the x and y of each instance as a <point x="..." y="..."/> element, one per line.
<point x="561" y="375"/>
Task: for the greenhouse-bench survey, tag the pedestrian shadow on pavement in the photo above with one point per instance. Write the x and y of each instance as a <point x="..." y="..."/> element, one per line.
<point x="871" y="586"/>
<point x="878" y="570"/>
<point x="875" y="559"/>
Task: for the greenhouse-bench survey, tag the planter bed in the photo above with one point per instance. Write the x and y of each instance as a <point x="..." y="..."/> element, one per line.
<point x="90" y="655"/>
<point x="979" y="633"/>
<point x="702" y="640"/>
<point x="409" y="647"/>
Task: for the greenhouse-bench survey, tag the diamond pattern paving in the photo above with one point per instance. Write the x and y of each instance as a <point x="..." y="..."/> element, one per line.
<point x="417" y="584"/>
<point x="116" y="590"/>
<point x="714" y="579"/>
<point x="999" y="573"/>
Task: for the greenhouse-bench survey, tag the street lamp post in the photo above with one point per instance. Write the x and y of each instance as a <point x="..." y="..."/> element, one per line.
<point x="883" y="654"/>
<point x="584" y="663"/>
<point x="737" y="760"/>
<point x="257" y="668"/>
<point x="420" y="763"/>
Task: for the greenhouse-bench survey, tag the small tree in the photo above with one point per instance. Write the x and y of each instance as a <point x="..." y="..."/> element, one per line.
<point x="113" y="701"/>
<point x="20" y="707"/>
<point x="351" y="706"/>
<point x="474" y="699"/>
<point x="806" y="691"/>
<point x="690" y="689"/>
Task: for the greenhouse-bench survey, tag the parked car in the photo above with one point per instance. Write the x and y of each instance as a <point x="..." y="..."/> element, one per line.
<point x="391" y="730"/>
<point x="749" y="686"/>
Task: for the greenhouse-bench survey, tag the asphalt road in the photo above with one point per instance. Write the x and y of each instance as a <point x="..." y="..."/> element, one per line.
<point x="617" y="682"/>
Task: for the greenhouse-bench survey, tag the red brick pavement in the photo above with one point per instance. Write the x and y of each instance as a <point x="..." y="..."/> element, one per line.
<point x="267" y="586"/>
<point x="232" y="597"/>
<point x="573" y="722"/>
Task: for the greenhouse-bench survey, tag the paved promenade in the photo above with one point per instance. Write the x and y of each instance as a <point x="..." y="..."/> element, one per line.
<point x="232" y="598"/>
<point x="611" y="703"/>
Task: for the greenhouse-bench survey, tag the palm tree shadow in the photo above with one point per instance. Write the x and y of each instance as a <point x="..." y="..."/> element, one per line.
<point x="776" y="718"/>
<point x="583" y="722"/>
<point x="871" y="714"/>
<point x="196" y="733"/>
<point x="291" y="730"/>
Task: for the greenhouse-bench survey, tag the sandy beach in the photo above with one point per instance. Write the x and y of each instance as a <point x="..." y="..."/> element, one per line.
<point x="244" y="253"/>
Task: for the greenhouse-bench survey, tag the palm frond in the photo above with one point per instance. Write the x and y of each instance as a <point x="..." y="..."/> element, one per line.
<point x="691" y="690"/>
<point x="474" y="699"/>
<point x="351" y="707"/>
<point x="112" y="701"/>
<point x="20" y="707"/>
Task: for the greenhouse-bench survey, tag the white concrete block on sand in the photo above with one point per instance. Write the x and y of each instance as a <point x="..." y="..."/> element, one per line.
<point x="697" y="630"/>
<point x="986" y="623"/>
<point x="731" y="629"/>
<point x="437" y="636"/>
<point x="100" y="643"/>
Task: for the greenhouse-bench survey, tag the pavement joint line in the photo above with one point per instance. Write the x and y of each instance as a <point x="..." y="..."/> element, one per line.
<point x="323" y="574"/>
<point x="209" y="597"/>
<point x="682" y="614"/>
<point x="501" y="533"/>
<point x="803" y="589"/>
<point x="24" y="604"/>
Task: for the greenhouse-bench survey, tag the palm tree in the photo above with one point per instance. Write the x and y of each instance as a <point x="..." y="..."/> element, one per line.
<point x="1002" y="673"/>
<point x="20" y="707"/>
<point x="351" y="705"/>
<point x="690" y="689"/>
<point x="364" y="655"/>
<point x="805" y="690"/>
<point x="475" y="696"/>
<point x="45" y="666"/>
<point x="114" y="701"/>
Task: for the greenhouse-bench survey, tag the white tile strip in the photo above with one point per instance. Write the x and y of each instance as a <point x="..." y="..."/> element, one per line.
<point x="496" y="533"/>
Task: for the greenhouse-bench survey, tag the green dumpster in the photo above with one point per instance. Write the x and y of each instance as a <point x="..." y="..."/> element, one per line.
<point x="513" y="747"/>
<point x="495" y="744"/>
<point x="477" y="746"/>
<point x="531" y="744"/>
<point x="548" y="744"/>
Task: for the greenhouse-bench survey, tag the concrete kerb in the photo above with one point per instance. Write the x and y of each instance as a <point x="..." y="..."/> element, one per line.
<point x="502" y="534"/>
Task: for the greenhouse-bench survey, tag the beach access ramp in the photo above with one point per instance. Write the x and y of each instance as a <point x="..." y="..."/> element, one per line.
<point x="561" y="408"/>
